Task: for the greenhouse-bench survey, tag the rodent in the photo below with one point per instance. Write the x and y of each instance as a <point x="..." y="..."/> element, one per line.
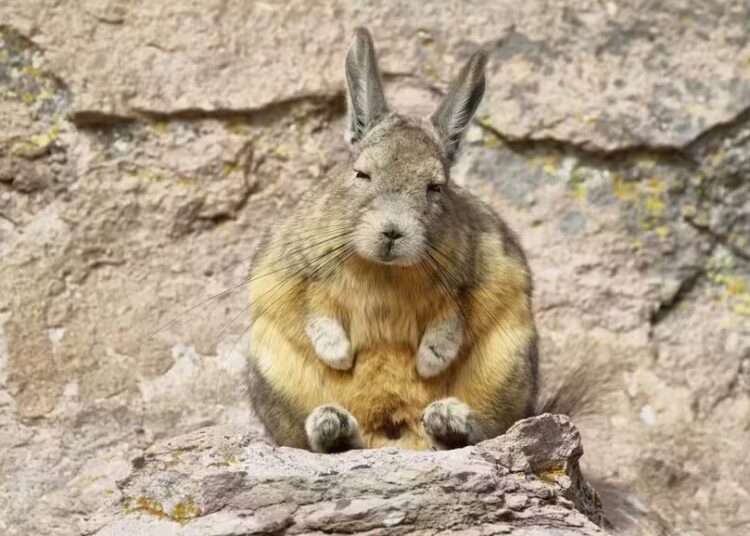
<point x="392" y="307"/>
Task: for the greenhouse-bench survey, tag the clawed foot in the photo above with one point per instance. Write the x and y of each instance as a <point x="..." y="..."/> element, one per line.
<point x="330" y="428"/>
<point x="450" y="424"/>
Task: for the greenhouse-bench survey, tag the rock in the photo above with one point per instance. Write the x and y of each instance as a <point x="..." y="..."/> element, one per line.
<point x="228" y="481"/>
<point x="605" y="75"/>
<point x="146" y="146"/>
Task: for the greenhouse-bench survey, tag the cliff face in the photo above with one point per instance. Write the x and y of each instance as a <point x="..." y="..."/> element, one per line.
<point x="224" y="481"/>
<point x="146" y="145"/>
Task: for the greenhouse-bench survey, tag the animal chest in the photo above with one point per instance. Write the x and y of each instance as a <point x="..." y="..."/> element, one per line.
<point x="385" y="323"/>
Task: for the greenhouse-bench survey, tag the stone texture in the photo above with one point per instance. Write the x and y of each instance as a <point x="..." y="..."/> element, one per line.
<point x="144" y="146"/>
<point x="226" y="481"/>
<point x="605" y="75"/>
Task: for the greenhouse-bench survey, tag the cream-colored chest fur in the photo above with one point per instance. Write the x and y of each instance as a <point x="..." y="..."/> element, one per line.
<point x="389" y="307"/>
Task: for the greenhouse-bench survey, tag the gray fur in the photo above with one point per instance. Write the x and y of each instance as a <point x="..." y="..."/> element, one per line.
<point x="366" y="100"/>
<point x="458" y="106"/>
<point x="439" y="346"/>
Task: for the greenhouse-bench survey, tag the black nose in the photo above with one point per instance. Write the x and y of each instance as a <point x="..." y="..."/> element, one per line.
<point x="392" y="233"/>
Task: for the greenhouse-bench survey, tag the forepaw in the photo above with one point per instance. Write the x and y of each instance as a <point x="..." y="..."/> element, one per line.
<point x="330" y="341"/>
<point x="439" y="347"/>
<point x="450" y="424"/>
<point x="331" y="428"/>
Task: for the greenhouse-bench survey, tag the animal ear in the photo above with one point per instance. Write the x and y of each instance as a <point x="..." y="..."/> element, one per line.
<point x="366" y="101"/>
<point x="459" y="105"/>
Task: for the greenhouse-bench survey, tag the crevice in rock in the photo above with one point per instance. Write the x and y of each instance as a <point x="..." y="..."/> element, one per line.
<point x="673" y="156"/>
<point x="99" y="119"/>
<point x="718" y="237"/>
<point x="719" y="131"/>
<point x="685" y="287"/>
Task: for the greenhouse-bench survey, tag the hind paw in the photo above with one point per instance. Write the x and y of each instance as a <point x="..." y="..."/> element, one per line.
<point x="330" y="428"/>
<point x="450" y="424"/>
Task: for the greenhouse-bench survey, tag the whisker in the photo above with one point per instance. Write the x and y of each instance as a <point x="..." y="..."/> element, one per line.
<point x="244" y="282"/>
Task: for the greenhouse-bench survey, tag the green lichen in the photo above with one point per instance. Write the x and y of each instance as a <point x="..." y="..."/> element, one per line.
<point x="734" y="288"/>
<point x="226" y="461"/>
<point x="146" y="175"/>
<point x="23" y="80"/>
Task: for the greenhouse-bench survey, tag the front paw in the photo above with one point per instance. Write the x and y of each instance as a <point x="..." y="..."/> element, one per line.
<point x="330" y="342"/>
<point x="439" y="347"/>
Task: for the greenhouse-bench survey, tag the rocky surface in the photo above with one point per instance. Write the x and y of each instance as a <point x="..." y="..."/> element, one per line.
<point x="144" y="146"/>
<point x="224" y="481"/>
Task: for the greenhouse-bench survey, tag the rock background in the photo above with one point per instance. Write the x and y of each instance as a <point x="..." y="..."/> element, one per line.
<point x="145" y="145"/>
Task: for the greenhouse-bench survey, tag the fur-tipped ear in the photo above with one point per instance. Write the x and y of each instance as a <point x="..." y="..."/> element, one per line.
<point x="459" y="105"/>
<point x="366" y="101"/>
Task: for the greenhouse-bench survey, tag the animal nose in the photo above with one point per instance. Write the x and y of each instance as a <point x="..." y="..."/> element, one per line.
<point x="392" y="233"/>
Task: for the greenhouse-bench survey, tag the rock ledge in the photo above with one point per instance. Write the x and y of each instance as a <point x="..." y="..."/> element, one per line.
<point x="224" y="481"/>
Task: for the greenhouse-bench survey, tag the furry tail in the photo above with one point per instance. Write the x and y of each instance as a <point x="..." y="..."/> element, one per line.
<point x="577" y="392"/>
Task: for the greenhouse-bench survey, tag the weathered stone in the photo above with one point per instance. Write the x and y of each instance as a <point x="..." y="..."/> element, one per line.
<point x="145" y="146"/>
<point x="227" y="481"/>
<point x="604" y="75"/>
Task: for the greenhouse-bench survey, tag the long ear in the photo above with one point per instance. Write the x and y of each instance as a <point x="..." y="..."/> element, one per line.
<point x="459" y="105"/>
<point x="365" y="97"/>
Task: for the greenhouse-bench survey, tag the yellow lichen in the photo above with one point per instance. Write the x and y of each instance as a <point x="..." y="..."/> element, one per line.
<point x="655" y="205"/>
<point x="718" y="156"/>
<point x="232" y="168"/>
<point x="550" y="165"/>
<point x="624" y="190"/>
<point x="551" y="473"/>
<point x="662" y="231"/>
<point x="183" y="512"/>
<point x="160" y="127"/>
<point x="150" y="506"/>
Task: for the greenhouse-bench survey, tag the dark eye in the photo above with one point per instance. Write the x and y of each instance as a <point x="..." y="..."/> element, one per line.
<point x="363" y="176"/>
<point x="435" y="188"/>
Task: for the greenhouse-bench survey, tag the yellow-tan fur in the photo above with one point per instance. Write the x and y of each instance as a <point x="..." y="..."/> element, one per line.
<point x="386" y="250"/>
<point x="385" y="310"/>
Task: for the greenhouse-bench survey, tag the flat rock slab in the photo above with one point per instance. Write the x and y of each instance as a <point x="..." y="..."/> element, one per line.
<point x="223" y="481"/>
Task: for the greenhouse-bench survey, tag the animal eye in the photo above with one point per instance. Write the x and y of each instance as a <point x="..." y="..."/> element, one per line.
<point x="435" y="188"/>
<point x="363" y="176"/>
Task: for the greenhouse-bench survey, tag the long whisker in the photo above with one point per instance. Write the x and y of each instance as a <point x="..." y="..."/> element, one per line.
<point x="331" y="262"/>
<point x="288" y="278"/>
<point x="244" y="282"/>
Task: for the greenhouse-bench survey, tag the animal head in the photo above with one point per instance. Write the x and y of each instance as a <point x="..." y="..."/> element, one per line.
<point x="399" y="186"/>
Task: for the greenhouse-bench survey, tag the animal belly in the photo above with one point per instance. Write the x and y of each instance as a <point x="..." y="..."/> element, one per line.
<point x="386" y="395"/>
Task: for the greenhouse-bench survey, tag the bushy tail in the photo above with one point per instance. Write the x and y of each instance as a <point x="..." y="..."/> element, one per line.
<point x="582" y="391"/>
<point x="576" y="392"/>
